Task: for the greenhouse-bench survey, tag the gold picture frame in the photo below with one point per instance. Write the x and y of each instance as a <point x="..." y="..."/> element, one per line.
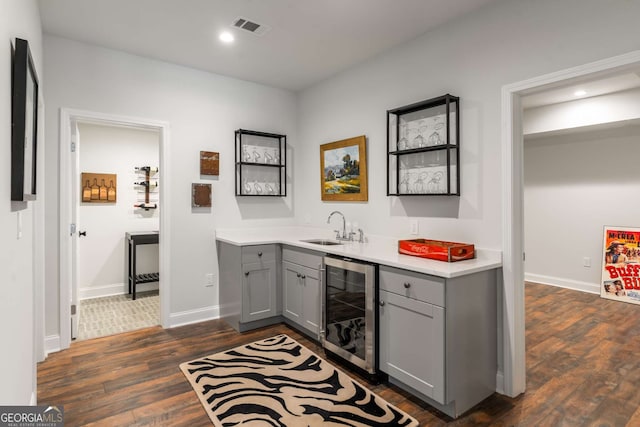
<point x="343" y="170"/>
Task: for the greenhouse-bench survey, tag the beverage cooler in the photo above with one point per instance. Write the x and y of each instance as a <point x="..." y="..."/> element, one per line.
<point x="349" y="315"/>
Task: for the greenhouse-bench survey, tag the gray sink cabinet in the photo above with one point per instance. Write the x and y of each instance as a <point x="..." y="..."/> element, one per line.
<point x="301" y="277"/>
<point x="437" y="337"/>
<point x="258" y="301"/>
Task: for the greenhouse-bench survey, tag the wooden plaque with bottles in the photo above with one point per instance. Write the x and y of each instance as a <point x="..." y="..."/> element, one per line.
<point x="98" y="187"/>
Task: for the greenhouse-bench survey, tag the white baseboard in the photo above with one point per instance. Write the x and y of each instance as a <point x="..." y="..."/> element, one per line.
<point x="114" y="289"/>
<point x="51" y="344"/>
<point x="592" y="288"/>
<point x="499" y="382"/>
<point x="194" y="316"/>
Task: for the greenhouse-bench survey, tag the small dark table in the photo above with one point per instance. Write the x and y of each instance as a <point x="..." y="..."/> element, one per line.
<point x="135" y="238"/>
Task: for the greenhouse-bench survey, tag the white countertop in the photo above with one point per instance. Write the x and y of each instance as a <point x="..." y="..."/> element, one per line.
<point x="377" y="249"/>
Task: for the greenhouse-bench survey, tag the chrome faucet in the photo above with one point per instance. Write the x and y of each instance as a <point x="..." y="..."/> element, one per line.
<point x="344" y="226"/>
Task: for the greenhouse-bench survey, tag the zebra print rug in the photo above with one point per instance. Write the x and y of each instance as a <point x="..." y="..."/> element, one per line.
<point x="278" y="382"/>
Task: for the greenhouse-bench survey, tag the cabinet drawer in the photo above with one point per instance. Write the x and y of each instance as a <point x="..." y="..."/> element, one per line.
<point x="413" y="285"/>
<point x="258" y="253"/>
<point x="298" y="256"/>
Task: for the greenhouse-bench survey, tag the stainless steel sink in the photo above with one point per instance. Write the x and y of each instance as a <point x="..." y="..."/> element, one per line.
<point x="323" y="242"/>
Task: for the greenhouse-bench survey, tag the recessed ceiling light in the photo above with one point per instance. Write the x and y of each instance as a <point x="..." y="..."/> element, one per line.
<point x="580" y="92"/>
<point x="226" y="37"/>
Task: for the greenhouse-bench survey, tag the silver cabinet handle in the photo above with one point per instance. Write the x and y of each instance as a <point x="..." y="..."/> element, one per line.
<point x="323" y="281"/>
<point x="259" y="254"/>
<point x="246" y="274"/>
<point x="381" y="303"/>
<point x="303" y="276"/>
<point x="298" y="275"/>
<point x="407" y="285"/>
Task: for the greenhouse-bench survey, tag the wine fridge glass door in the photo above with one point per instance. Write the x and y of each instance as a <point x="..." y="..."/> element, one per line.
<point x="349" y="316"/>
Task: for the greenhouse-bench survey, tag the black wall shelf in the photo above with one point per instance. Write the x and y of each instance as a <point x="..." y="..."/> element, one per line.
<point x="261" y="167"/>
<point x="423" y="148"/>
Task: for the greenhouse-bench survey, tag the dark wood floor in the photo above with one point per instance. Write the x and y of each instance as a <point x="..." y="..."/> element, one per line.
<point x="583" y="368"/>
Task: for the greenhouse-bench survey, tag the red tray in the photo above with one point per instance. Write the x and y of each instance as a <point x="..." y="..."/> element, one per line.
<point x="436" y="249"/>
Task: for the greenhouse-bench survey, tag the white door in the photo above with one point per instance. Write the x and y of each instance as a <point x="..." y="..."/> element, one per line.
<point x="75" y="190"/>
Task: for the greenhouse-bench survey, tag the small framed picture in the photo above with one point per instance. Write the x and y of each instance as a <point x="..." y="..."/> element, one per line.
<point x="201" y="195"/>
<point x="209" y="163"/>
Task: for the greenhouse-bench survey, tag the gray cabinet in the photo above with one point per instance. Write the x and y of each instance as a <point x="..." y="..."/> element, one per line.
<point x="301" y="275"/>
<point x="250" y="293"/>
<point x="438" y="336"/>
<point x="416" y="361"/>
<point x="258" y="291"/>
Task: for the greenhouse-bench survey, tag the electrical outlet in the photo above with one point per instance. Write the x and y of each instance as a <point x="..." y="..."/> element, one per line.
<point x="586" y="261"/>
<point x="209" y="282"/>
<point x="414" y="227"/>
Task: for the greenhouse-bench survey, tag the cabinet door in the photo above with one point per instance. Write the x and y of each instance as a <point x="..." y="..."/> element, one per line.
<point x="259" y="291"/>
<point x="292" y="290"/>
<point x="412" y="343"/>
<point x="311" y="299"/>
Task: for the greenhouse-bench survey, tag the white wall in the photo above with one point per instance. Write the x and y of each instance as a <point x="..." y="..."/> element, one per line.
<point x="20" y="258"/>
<point x="202" y="110"/>
<point x="576" y="184"/>
<point x="473" y="58"/>
<point x="102" y="261"/>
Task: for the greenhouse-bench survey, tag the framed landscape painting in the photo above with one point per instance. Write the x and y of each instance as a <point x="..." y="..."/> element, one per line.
<point x="343" y="170"/>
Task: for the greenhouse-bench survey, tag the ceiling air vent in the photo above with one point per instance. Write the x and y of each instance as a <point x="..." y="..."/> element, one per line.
<point x="250" y="26"/>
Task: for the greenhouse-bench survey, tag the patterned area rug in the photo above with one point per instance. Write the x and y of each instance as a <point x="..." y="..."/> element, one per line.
<point x="116" y="314"/>
<point x="278" y="382"/>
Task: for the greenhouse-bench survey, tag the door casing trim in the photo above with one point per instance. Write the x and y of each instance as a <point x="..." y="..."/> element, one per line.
<point x="69" y="116"/>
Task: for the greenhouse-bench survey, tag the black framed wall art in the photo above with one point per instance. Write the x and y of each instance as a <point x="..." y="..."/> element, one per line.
<point x="24" y="120"/>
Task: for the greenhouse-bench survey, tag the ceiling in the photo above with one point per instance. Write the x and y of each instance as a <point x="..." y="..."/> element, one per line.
<point x="306" y="41"/>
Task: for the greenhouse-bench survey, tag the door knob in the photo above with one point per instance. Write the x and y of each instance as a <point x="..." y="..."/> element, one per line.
<point x="407" y="285"/>
<point x="259" y="254"/>
<point x="381" y="303"/>
<point x="246" y="273"/>
<point x="82" y="234"/>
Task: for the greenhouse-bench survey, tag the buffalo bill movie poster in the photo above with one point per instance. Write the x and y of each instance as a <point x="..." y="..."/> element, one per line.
<point x="621" y="264"/>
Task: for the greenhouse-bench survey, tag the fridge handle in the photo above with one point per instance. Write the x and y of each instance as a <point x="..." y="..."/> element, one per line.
<point x="323" y="281"/>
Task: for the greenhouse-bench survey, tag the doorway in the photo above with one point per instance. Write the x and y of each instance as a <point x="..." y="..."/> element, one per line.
<point x="70" y="191"/>
<point x="112" y="182"/>
<point x="574" y="182"/>
<point x="513" y="330"/>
